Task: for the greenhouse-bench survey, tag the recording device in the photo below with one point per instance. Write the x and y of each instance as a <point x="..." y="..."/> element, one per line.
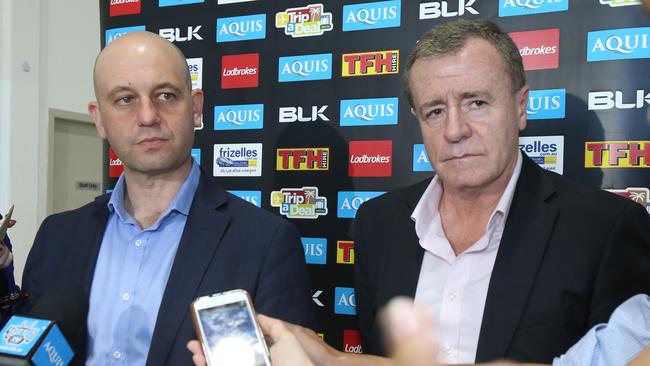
<point x="226" y="325"/>
<point x="38" y="337"/>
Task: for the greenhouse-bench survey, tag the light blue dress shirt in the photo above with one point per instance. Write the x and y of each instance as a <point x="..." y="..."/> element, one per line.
<point x="614" y="343"/>
<point x="131" y="275"/>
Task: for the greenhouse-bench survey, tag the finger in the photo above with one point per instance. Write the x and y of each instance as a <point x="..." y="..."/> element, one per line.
<point x="12" y="223"/>
<point x="197" y="353"/>
<point x="275" y="328"/>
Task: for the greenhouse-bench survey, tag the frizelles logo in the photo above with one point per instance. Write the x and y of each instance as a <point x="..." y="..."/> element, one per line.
<point x="344" y="301"/>
<point x="114" y="33"/>
<point x="240" y="71"/>
<point x="254" y="197"/>
<point x="617" y="154"/>
<point x="618" y="3"/>
<point x="421" y="161"/>
<point x="546" y="151"/>
<point x="344" y="252"/>
<point x="306" y="21"/>
<point x="163" y="3"/>
<point x="602" y="100"/>
<point x="618" y="44"/>
<point x="242" y="28"/>
<point x="350" y="201"/>
<point x="508" y="8"/>
<point x="195" y="65"/>
<point x="239" y="117"/>
<point x="196" y="155"/>
<point x="546" y="104"/>
<point x="369" y="112"/>
<point x="437" y="9"/>
<point x="381" y="14"/>
<point x="237" y="160"/>
<point x="372" y="158"/>
<point x="299" y="203"/>
<point x="539" y="49"/>
<point x="124" y="7"/>
<point x="370" y="63"/>
<point x="183" y="34"/>
<point x="115" y="165"/>
<point x="308" y="158"/>
<point x="352" y="341"/>
<point x="315" y="250"/>
<point x="305" y="67"/>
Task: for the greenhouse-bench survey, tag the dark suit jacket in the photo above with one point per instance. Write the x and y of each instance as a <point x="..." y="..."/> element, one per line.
<point x="227" y="244"/>
<point x="568" y="256"/>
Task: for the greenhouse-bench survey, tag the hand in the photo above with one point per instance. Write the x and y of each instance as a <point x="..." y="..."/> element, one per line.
<point x="197" y="353"/>
<point x="286" y="350"/>
<point x="6" y="257"/>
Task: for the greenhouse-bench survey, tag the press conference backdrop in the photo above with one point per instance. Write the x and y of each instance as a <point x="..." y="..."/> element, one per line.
<point x="305" y="114"/>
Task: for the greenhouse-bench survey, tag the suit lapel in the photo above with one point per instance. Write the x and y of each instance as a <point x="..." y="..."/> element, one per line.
<point x="86" y="258"/>
<point x="530" y="222"/>
<point x="201" y="237"/>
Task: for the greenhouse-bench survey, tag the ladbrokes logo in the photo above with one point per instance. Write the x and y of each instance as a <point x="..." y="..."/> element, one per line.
<point x="352" y="341"/>
<point x="313" y="158"/>
<point x="640" y="195"/>
<point x="381" y="14"/>
<point x="344" y="252"/>
<point x="370" y="63"/>
<point x="115" y="165"/>
<point x="508" y="8"/>
<point x="371" y="158"/>
<point x="369" y="112"/>
<point x="306" y="21"/>
<point x="617" y="3"/>
<point x="305" y="67"/>
<point x="437" y="9"/>
<point x="546" y="104"/>
<point x="239" y="117"/>
<point x="617" y="154"/>
<point x="237" y="160"/>
<point x="299" y="203"/>
<point x="124" y="7"/>
<point x="539" y="49"/>
<point x="183" y="34"/>
<point x="618" y="44"/>
<point x="114" y="33"/>
<point x="240" y="71"/>
<point x="546" y="151"/>
<point x="602" y="100"/>
<point x="241" y="28"/>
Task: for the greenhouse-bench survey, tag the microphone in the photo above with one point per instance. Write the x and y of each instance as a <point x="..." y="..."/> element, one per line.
<point x="39" y="337"/>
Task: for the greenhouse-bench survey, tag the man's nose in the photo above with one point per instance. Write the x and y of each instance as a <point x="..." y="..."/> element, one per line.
<point x="148" y="114"/>
<point x="457" y="126"/>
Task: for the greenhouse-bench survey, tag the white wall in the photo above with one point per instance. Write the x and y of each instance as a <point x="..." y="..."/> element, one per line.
<point x="47" y="52"/>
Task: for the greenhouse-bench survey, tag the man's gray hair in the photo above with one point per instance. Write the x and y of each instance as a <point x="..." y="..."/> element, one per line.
<point x="451" y="37"/>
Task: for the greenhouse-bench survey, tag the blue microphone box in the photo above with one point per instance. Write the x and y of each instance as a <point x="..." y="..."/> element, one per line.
<point x="34" y="342"/>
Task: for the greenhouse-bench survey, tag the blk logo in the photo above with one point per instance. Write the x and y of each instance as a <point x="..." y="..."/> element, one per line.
<point x="181" y="34"/>
<point x="603" y="100"/>
<point x="300" y="114"/>
<point x="446" y="9"/>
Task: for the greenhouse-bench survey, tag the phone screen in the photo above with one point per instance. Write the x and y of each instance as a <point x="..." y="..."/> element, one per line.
<point x="231" y="335"/>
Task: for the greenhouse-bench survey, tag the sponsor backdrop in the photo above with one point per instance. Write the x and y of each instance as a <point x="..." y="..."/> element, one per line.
<point x="305" y="114"/>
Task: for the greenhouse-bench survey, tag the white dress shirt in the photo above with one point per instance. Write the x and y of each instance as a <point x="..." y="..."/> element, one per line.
<point x="455" y="287"/>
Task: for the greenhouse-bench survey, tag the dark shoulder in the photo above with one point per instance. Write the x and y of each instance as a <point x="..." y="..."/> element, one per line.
<point x="242" y="209"/>
<point x="80" y="215"/>
<point x="399" y="198"/>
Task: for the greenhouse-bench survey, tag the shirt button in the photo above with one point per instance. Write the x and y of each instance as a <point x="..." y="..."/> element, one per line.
<point x="452" y="296"/>
<point x="117" y="354"/>
<point x="138" y="243"/>
<point x="126" y="296"/>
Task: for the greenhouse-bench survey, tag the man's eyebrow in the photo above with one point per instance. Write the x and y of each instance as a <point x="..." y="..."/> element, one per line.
<point x="168" y="86"/>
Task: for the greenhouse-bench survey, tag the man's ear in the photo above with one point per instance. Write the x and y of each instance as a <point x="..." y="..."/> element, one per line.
<point x="197" y="103"/>
<point x="522" y="105"/>
<point x="93" y="110"/>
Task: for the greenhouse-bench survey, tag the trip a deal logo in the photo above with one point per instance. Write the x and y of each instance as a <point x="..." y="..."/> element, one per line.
<point x="240" y="71"/>
<point x="539" y="49"/>
<point x="299" y="203"/>
<point x="237" y="160"/>
<point x="508" y="8"/>
<point x="307" y="158"/>
<point x="381" y="14"/>
<point x="114" y="33"/>
<point x="618" y="44"/>
<point x="546" y="104"/>
<point x="307" y="21"/>
<point x="617" y="154"/>
<point x="305" y="67"/>
<point x="370" y="63"/>
<point x="640" y="195"/>
<point x="239" y="117"/>
<point x="350" y="201"/>
<point x="242" y="28"/>
<point x="545" y="151"/>
<point x="372" y="158"/>
<point x="124" y="7"/>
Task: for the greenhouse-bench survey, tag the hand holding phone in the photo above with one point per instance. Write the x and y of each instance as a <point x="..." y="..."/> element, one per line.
<point x="227" y="328"/>
<point x="4" y="223"/>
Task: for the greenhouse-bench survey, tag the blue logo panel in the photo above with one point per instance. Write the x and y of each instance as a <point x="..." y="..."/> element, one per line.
<point x="381" y="14"/>
<point x="254" y="197"/>
<point x="546" y="104"/>
<point x="315" y="250"/>
<point x="369" y="112"/>
<point x="305" y="67"/>
<point x="20" y="334"/>
<point x="112" y="34"/>
<point x="508" y="8"/>
<point x="162" y="3"/>
<point x="350" y="201"/>
<point x="345" y="301"/>
<point x="618" y="44"/>
<point x="196" y="154"/>
<point x="421" y="161"/>
<point x="239" y="117"/>
<point x="242" y="28"/>
<point x="54" y="350"/>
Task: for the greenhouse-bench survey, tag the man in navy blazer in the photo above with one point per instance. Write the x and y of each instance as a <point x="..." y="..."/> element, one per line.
<point x="167" y="234"/>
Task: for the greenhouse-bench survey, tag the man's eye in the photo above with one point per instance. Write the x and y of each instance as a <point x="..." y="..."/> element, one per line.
<point x="478" y="103"/>
<point x="124" y="100"/>
<point x="166" y="96"/>
<point x="434" y="112"/>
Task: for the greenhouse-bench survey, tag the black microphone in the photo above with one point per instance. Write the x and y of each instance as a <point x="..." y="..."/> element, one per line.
<point x="38" y="338"/>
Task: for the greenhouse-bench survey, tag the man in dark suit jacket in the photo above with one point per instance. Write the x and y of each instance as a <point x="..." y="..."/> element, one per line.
<point x="146" y="110"/>
<point x="563" y="256"/>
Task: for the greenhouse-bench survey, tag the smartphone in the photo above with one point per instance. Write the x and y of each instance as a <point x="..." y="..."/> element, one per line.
<point x="226" y="325"/>
<point x="4" y="223"/>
